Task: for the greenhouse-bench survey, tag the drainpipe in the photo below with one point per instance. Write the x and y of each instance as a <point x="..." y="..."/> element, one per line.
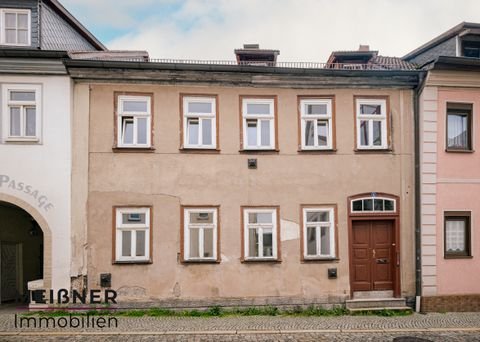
<point x="418" y="232"/>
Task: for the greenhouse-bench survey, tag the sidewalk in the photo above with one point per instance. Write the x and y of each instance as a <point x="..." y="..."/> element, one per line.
<point x="434" y="327"/>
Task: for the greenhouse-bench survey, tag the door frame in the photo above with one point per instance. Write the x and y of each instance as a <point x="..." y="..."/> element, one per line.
<point x="376" y="216"/>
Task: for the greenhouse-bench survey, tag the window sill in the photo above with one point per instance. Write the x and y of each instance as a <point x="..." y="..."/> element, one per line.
<point x="458" y="256"/>
<point x="199" y="150"/>
<point x="259" y="151"/>
<point x="373" y="150"/>
<point x="193" y="262"/>
<point x="450" y="150"/>
<point x="319" y="260"/>
<point x="132" y="262"/>
<point x="133" y="149"/>
<point x="262" y="260"/>
<point x="318" y="151"/>
<point x="22" y="140"/>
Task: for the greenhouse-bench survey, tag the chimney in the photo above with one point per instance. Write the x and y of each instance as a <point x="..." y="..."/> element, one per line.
<point x="251" y="54"/>
<point x="364" y="48"/>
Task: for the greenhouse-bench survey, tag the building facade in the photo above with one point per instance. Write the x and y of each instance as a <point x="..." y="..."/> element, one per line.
<point x="449" y="170"/>
<point x="246" y="184"/>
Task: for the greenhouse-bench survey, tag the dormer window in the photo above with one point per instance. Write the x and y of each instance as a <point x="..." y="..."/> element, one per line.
<point x="15" y="27"/>
<point x="471" y="49"/>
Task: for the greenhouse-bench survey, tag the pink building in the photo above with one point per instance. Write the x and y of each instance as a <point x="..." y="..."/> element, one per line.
<point x="448" y="181"/>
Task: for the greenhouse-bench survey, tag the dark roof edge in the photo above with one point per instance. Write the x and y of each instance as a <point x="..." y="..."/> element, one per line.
<point x="440" y="39"/>
<point x="454" y="63"/>
<point x="56" y="5"/>
<point x="232" y="68"/>
<point x="29" y="53"/>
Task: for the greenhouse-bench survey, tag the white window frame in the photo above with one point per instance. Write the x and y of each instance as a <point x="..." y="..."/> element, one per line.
<point x="7" y="103"/>
<point x="373" y="205"/>
<point x="201" y="226"/>
<point x="3" y="38"/>
<point x="120" y="226"/>
<point x="261" y="226"/>
<point x="320" y="117"/>
<point x="136" y="115"/>
<point x="200" y="116"/>
<point x="270" y="117"/>
<point x="370" y="118"/>
<point x="318" y="225"/>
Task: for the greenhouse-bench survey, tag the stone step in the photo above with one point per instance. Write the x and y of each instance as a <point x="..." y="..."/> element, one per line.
<point x="372" y="294"/>
<point x="400" y="308"/>
<point x="375" y="303"/>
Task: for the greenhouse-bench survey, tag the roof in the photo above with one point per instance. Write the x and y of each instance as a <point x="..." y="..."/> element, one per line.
<point x="58" y="7"/>
<point x="372" y="61"/>
<point x="460" y="28"/>
<point x="454" y="63"/>
<point x="392" y="63"/>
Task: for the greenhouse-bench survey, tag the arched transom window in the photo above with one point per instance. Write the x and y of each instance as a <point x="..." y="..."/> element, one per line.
<point x="373" y="204"/>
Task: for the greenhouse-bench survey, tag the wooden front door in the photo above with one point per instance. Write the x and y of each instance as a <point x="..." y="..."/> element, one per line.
<point x="372" y="255"/>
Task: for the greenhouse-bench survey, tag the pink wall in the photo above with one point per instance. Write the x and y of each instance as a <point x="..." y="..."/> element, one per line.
<point x="458" y="189"/>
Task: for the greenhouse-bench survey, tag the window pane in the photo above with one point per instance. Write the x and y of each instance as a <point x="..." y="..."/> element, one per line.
<point x="135" y="106"/>
<point x="325" y="240"/>
<point x="322" y="131"/>
<point x="357" y="205"/>
<point x="192" y="128"/>
<point x="204" y="217"/>
<point x="22" y="21"/>
<point x="267" y="243"/>
<point x="367" y="205"/>
<point x="30" y="121"/>
<point x="318" y="216"/>
<point x="309" y="133"/>
<point x="265" y="132"/>
<point x="370" y="109"/>
<point x="259" y="217"/>
<point x="199" y="107"/>
<point x="11" y="36"/>
<point x="457" y="131"/>
<point x="127" y="129"/>
<point x="377" y="133"/>
<point x="208" y="243"/>
<point x="15" y="121"/>
<point x="251" y="132"/>
<point x="133" y="218"/>
<point x="388" y="204"/>
<point x="311" y="241"/>
<point x="140" y="251"/>
<point x="455" y="235"/>
<point x="141" y="130"/>
<point x="22" y="96"/>
<point x="10" y="20"/>
<point x="194" y="243"/>
<point x="378" y="204"/>
<point x="316" y="109"/>
<point x="126" y="243"/>
<point x="207" y="131"/>
<point x="258" y="108"/>
<point x="22" y="36"/>
<point x="364" y="133"/>
<point x="252" y="243"/>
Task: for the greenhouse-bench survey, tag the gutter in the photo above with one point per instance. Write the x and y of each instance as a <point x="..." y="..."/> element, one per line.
<point x="418" y="231"/>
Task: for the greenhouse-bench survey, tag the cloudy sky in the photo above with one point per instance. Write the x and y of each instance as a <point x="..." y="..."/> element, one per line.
<point x="303" y="30"/>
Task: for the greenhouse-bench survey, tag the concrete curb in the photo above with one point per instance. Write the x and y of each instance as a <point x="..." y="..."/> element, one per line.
<point x="235" y="332"/>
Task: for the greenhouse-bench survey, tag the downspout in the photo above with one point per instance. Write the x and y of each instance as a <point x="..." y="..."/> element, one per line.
<point x="418" y="231"/>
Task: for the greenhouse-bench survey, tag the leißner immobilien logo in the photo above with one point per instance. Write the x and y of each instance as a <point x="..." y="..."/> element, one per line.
<point x="77" y="319"/>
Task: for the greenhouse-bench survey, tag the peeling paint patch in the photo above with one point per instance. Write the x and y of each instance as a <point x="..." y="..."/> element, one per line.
<point x="225" y="258"/>
<point x="131" y="292"/>
<point x="289" y="230"/>
<point x="176" y="290"/>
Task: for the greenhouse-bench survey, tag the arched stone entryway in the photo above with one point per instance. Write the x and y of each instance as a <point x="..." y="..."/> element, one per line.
<point x="26" y="242"/>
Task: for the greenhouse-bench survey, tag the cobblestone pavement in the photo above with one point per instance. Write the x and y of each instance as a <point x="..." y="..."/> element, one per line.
<point x="431" y="327"/>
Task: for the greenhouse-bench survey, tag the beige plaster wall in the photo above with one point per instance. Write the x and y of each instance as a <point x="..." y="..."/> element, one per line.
<point x="167" y="178"/>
